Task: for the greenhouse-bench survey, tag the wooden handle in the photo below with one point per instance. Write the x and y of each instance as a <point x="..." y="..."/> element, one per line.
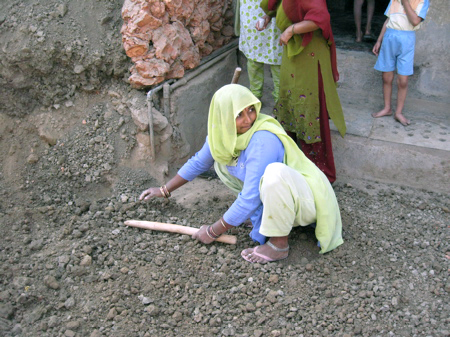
<point x="237" y="74"/>
<point x="167" y="227"/>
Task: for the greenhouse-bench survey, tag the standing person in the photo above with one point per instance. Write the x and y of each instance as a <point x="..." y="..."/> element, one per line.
<point x="357" y="13"/>
<point x="259" y="48"/>
<point x="308" y="94"/>
<point x="276" y="186"/>
<point x="397" y="41"/>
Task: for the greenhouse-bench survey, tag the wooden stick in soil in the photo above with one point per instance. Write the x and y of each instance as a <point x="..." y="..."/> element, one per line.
<point x="167" y="227"/>
<point x="236" y="75"/>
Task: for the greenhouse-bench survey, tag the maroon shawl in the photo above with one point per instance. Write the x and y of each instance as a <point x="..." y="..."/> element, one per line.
<point x="311" y="10"/>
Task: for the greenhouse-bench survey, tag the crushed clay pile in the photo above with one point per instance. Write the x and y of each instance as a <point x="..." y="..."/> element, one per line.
<point x="71" y="268"/>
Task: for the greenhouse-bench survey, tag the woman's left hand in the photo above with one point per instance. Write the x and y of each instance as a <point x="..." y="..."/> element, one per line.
<point x="202" y="236"/>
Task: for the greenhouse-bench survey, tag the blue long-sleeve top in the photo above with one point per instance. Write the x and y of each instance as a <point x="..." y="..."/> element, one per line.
<point x="264" y="148"/>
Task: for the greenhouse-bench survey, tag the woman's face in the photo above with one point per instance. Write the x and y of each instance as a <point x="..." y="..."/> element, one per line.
<point x="245" y="119"/>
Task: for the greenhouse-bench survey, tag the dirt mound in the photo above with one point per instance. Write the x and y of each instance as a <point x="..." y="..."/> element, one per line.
<point x="51" y="50"/>
<point x="70" y="267"/>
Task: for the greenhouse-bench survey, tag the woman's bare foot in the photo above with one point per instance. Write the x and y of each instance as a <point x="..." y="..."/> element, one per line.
<point x="382" y="113"/>
<point x="265" y="253"/>
<point x="402" y="119"/>
<point x="359" y="36"/>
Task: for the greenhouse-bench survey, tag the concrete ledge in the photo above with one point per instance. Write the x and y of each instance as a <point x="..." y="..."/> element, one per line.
<point x="402" y="164"/>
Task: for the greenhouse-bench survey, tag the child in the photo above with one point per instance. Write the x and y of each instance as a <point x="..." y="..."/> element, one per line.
<point x="397" y="51"/>
<point x="258" y="47"/>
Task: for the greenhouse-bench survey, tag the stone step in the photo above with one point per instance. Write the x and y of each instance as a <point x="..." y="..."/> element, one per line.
<point x="382" y="149"/>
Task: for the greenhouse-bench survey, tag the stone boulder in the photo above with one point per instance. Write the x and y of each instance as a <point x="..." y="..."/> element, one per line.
<point x="164" y="38"/>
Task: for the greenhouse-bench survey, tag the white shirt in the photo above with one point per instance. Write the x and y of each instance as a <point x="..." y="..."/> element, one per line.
<point x="398" y="19"/>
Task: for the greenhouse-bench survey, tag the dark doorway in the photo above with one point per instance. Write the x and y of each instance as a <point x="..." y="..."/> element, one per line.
<point x="343" y="23"/>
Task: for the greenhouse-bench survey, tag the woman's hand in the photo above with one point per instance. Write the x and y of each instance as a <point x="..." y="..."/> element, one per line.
<point x="202" y="236"/>
<point x="150" y="193"/>
<point x="286" y="35"/>
<point x="260" y="27"/>
<point x="302" y="27"/>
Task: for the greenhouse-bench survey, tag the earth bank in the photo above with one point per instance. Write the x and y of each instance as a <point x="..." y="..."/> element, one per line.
<point x="70" y="267"/>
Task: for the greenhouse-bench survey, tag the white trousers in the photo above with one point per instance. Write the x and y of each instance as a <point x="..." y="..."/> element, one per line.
<point x="288" y="201"/>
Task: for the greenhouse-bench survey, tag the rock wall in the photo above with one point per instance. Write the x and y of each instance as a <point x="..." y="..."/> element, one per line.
<point x="164" y="38"/>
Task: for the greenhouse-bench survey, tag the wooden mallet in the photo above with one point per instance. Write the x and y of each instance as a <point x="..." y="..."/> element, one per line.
<point x="167" y="227"/>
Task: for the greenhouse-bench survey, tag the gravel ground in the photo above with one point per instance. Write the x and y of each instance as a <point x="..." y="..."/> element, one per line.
<point x="70" y="267"/>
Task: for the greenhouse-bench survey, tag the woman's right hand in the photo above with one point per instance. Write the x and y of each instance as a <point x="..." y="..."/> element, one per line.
<point x="202" y="236"/>
<point x="152" y="192"/>
<point x="260" y="27"/>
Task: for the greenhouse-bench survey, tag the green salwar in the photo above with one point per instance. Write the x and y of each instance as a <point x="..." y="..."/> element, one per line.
<point x="255" y="72"/>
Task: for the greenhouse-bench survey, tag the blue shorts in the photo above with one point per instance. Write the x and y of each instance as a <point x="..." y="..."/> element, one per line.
<point x="397" y="52"/>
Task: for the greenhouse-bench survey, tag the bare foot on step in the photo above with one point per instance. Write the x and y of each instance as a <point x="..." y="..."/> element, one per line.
<point x="359" y="36"/>
<point x="402" y="119"/>
<point x="382" y="113"/>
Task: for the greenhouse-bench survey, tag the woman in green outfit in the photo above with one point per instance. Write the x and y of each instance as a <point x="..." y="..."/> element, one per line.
<point x="308" y="94"/>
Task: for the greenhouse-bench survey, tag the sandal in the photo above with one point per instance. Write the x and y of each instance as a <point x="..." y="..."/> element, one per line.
<point x="369" y="37"/>
<point x="264" y="257"/>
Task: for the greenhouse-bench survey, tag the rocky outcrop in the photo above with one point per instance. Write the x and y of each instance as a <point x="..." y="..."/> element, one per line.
<point x="164" y="38"/>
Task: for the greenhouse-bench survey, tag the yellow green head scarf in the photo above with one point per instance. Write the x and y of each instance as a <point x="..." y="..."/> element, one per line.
<point x="225" y="145"/>
<point x="224" y="142"/>
<point x="225" y="105"/>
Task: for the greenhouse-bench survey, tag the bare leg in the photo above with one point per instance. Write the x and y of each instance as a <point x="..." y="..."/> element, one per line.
<point x="370" y="10"/>
<point x="402" y="84"/>
<point x="265" y="253"/>
<point x="388" y="78"/>
<point x="357" y="5"/>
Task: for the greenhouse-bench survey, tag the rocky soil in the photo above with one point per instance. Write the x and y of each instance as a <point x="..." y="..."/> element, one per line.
<point x="71" y="268"/>
<point x="69" y="180"/>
